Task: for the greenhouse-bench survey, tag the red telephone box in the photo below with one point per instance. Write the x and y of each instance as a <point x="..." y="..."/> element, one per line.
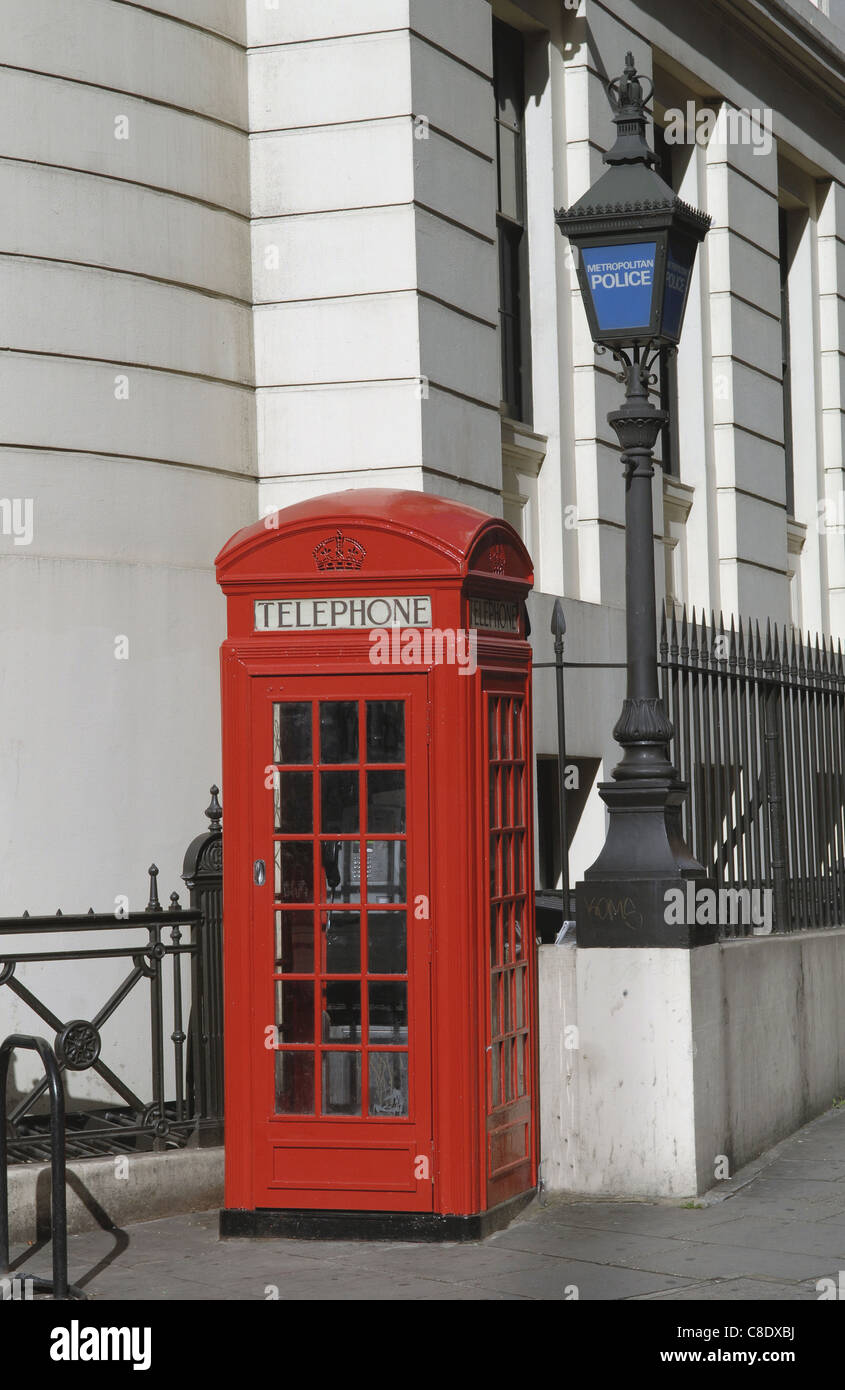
<point x="380" y="951"/>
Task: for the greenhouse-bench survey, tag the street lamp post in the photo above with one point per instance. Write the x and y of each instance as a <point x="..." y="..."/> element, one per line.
<point x="635" y="243"/>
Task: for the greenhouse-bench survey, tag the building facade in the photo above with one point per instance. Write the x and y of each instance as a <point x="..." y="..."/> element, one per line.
<point x="257" y="250"/>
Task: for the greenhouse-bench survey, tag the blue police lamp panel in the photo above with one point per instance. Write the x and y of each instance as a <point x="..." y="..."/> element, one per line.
<point x="621" y="283"/>
<point x="678" y="274"/>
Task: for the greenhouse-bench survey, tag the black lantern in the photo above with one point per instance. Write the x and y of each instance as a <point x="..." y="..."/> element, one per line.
<point x="635" y="239"/>
<point x="636" y="243"/>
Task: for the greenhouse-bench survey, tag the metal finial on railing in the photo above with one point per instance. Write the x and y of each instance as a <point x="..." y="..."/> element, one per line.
<point x="175" y="905"/>
<point x="214" y="811"/>
<point x="153" y="905"/>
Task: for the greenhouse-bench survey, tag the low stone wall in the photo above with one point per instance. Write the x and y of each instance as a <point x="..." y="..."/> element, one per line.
<point x="107" y="1192"/>
<point x="662" y="1072"/>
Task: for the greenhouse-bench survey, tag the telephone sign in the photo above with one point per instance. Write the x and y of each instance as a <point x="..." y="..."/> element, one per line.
<point x="380" y="968"/>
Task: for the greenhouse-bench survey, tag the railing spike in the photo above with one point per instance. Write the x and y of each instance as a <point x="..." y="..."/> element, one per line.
<point x="59" y="912"/>
<point x="732" y="647"/>
<point x="153" y="905"/>
<point x="25" y="912"/>
<point x="214" y="811"/>
<point x="175" y="905"/>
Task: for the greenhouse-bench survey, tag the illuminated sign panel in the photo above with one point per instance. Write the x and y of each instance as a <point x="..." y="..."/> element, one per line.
<point x="678" y="272"/>
<point x="621" y="283"/>
<point x="313" y="614"/>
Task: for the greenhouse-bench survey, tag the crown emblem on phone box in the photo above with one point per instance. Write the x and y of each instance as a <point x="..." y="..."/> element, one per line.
<point x="339" y="552"/>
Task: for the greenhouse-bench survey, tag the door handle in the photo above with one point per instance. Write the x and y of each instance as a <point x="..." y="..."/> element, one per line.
<point x="259" y="873"/>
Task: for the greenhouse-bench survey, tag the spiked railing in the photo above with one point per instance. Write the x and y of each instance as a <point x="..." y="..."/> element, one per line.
<point x="760" y="739"/>
<point x="167" y="962"/>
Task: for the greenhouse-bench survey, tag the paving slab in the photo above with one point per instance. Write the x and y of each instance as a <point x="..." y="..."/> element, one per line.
<point x="770" y="1233"/>
<point x="742" y="1291"/>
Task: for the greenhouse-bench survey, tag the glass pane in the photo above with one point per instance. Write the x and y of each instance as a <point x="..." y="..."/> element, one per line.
<point x="341" y="1083"/>
<point x="342" y="935"/>
<point x="294" y="1083"/>
<point x="493" y="708"/>
<point x="507" y="804"/>
<point x="385" y="731"/>
<point x="386" y="871"/>
<point x="295" y="1011"/>
<point x="508" y="1060"/>
<point x="507" y="1015"/>
<point x="494" y="935"/>
<point x="294" y="871"/>
<point x="388" y="1083"/>
<point x="520" y="1065"/>
<point x="338" y="731"/>
<point x="519" y="796"/>
<point x="494" y="787"/>
<point x="496" y="1075"/>
<point x="386" y="802"/>
<point x="294" y="803"/>
<point x="510" y="202"/>
<point x="292" y="733"/>
<point x="340" y="871"/>
<point x="295" y="942"/>
<point x="520" y="998"/>
<point x="518" y="943"/>
<point x="506" y="865"/>
<point x="339" y="802"/>
<point x="341" y="1011"/>
<point x="494" y="867"/>
<point x="387" y="945"/>
<point x="518" y="854"/>
<point x="389" y="1012"/>
<point x="517" y="728"/>
<point x="506" y="728"/>
<point x="495" y="1009"/>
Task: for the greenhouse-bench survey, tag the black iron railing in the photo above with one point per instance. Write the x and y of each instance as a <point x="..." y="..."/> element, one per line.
<point x="58" y="1287"/>
<point x="760" y="739"/>
<point x="202" y="871"/>
<point x="167" y="971"/>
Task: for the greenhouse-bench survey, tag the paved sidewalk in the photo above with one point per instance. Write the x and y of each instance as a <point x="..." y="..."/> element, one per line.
<point x="770" y="1234"/>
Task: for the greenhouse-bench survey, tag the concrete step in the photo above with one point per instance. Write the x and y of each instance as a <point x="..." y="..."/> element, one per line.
<point x="106" y="1192"/>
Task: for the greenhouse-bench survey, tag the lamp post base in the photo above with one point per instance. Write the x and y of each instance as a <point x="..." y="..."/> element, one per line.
<point x="641" y="889"/>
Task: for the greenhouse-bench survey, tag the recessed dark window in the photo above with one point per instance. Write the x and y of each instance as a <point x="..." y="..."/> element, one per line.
<point x="511" y="220"/>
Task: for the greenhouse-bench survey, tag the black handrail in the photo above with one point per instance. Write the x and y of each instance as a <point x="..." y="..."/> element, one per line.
<point x="58" y="1205"/>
